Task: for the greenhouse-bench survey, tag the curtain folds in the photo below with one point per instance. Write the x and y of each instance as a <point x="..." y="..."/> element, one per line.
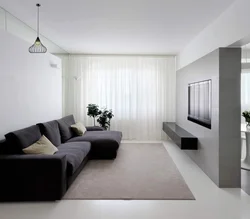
<point x="139" y="90"/>
<point x="245" y="93"/>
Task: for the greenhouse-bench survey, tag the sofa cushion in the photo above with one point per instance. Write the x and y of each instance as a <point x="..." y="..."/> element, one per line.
<point x="94" y="128"/>
<point x="75" y="153"/>
<point x="104" y="144"/>
<point x="20" y="139"/>
<point x="3" y="147"/>
<point x="65" y="129"/>
<point x="98" y="136"/>
<point x="51" y="131"/>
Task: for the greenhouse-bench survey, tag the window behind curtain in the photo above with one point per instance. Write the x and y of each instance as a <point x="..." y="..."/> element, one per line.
<point x="139" y="90"/>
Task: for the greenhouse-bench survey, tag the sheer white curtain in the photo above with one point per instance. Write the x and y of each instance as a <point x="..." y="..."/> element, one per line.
<point x="245" y="93"/>
<point x="139" y="90"/>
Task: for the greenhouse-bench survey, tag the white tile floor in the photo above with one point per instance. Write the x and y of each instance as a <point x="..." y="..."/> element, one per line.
<point x="211" y="202"/>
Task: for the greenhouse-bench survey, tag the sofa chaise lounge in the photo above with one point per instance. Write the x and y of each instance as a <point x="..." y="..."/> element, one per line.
<point x="47" y="177"/>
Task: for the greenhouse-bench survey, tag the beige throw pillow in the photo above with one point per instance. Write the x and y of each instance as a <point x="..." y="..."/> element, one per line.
<point x="42" y="146"/>
<point x="78" y="128"/>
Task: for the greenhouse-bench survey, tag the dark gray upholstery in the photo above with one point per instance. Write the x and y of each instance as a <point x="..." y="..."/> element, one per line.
<point x="32" y="177"/>
<point x="22" y="138"/>
<point x="98" y="136"/>
<point x="65" y="129"/>
<point x="51" y="131"/>
<point x="47" y="177"/>
<point x="94" y="128"/>
<point x="104" y="144"/>
<point x="3" y="147"/>
<point x="75" y="153"/>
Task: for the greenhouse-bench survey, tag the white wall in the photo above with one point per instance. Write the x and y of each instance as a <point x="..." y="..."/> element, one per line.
<point x="230" y="27"/>
<point x="2" y="19"/>
<point x="30" y="89"/>
<point x="65" y="82"/>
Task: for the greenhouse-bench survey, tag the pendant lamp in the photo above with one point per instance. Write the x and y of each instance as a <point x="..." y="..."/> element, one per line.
<point x="38" y="47"/>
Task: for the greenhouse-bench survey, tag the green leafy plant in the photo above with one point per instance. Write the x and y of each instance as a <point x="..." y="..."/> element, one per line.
<point x="93" y="111"/>
<point x="246" y="115"/>
<point x="105" y="118"/>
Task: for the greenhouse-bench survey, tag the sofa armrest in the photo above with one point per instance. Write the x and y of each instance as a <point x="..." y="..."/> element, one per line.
<point x="32" y="177"/>
<point x="94" y="128"/>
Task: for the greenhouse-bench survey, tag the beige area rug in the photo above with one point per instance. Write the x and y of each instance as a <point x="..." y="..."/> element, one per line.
<point x="140" y="172"/>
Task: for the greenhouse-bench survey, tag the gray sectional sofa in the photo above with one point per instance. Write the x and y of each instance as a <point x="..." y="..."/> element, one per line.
<point x="47" y="177"/>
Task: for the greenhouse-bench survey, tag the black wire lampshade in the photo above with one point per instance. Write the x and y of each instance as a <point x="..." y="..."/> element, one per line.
<point x="38" y="47"/>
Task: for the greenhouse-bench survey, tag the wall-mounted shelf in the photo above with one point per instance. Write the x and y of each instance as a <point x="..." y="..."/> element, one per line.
<point x="181" y="137"/>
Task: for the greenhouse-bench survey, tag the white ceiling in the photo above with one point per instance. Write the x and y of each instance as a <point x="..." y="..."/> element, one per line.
<point x="119" y="26"/>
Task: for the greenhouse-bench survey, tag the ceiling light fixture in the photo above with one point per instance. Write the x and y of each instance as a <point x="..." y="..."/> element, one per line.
<point x="38" y="47"/>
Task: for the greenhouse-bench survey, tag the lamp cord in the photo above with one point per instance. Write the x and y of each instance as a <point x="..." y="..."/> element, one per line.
<point x="38" y="5"/>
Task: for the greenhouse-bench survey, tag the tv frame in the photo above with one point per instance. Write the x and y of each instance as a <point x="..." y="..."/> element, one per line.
<point x="197" y="121"/>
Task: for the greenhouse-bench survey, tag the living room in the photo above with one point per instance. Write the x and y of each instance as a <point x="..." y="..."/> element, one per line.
<point x="124" y="109"/>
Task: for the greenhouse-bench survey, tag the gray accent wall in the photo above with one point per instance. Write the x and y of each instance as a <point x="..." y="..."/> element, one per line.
<point x="219" y="149"/>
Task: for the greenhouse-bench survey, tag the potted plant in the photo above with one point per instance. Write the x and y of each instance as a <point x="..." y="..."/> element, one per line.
<point x="246" y="115"/>
<point x="105" y="118"/>
<point x="93" y="111"/>
<point x="110" y="115"/>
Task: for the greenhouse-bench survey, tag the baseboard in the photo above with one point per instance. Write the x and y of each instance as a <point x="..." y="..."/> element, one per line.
<point x="140" y="142"/>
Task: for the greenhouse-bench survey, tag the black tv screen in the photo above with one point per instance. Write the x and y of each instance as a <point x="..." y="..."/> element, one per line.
<point x="199" y="103"/>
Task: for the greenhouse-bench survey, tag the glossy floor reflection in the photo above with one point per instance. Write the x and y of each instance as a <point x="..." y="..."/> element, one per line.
<point x="211" y="202"/>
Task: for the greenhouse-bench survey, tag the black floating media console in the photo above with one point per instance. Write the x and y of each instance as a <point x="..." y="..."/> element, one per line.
<point x="181" y="137"/>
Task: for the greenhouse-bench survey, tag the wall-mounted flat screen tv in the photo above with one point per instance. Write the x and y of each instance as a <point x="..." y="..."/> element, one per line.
<point x="199" y="102"/>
